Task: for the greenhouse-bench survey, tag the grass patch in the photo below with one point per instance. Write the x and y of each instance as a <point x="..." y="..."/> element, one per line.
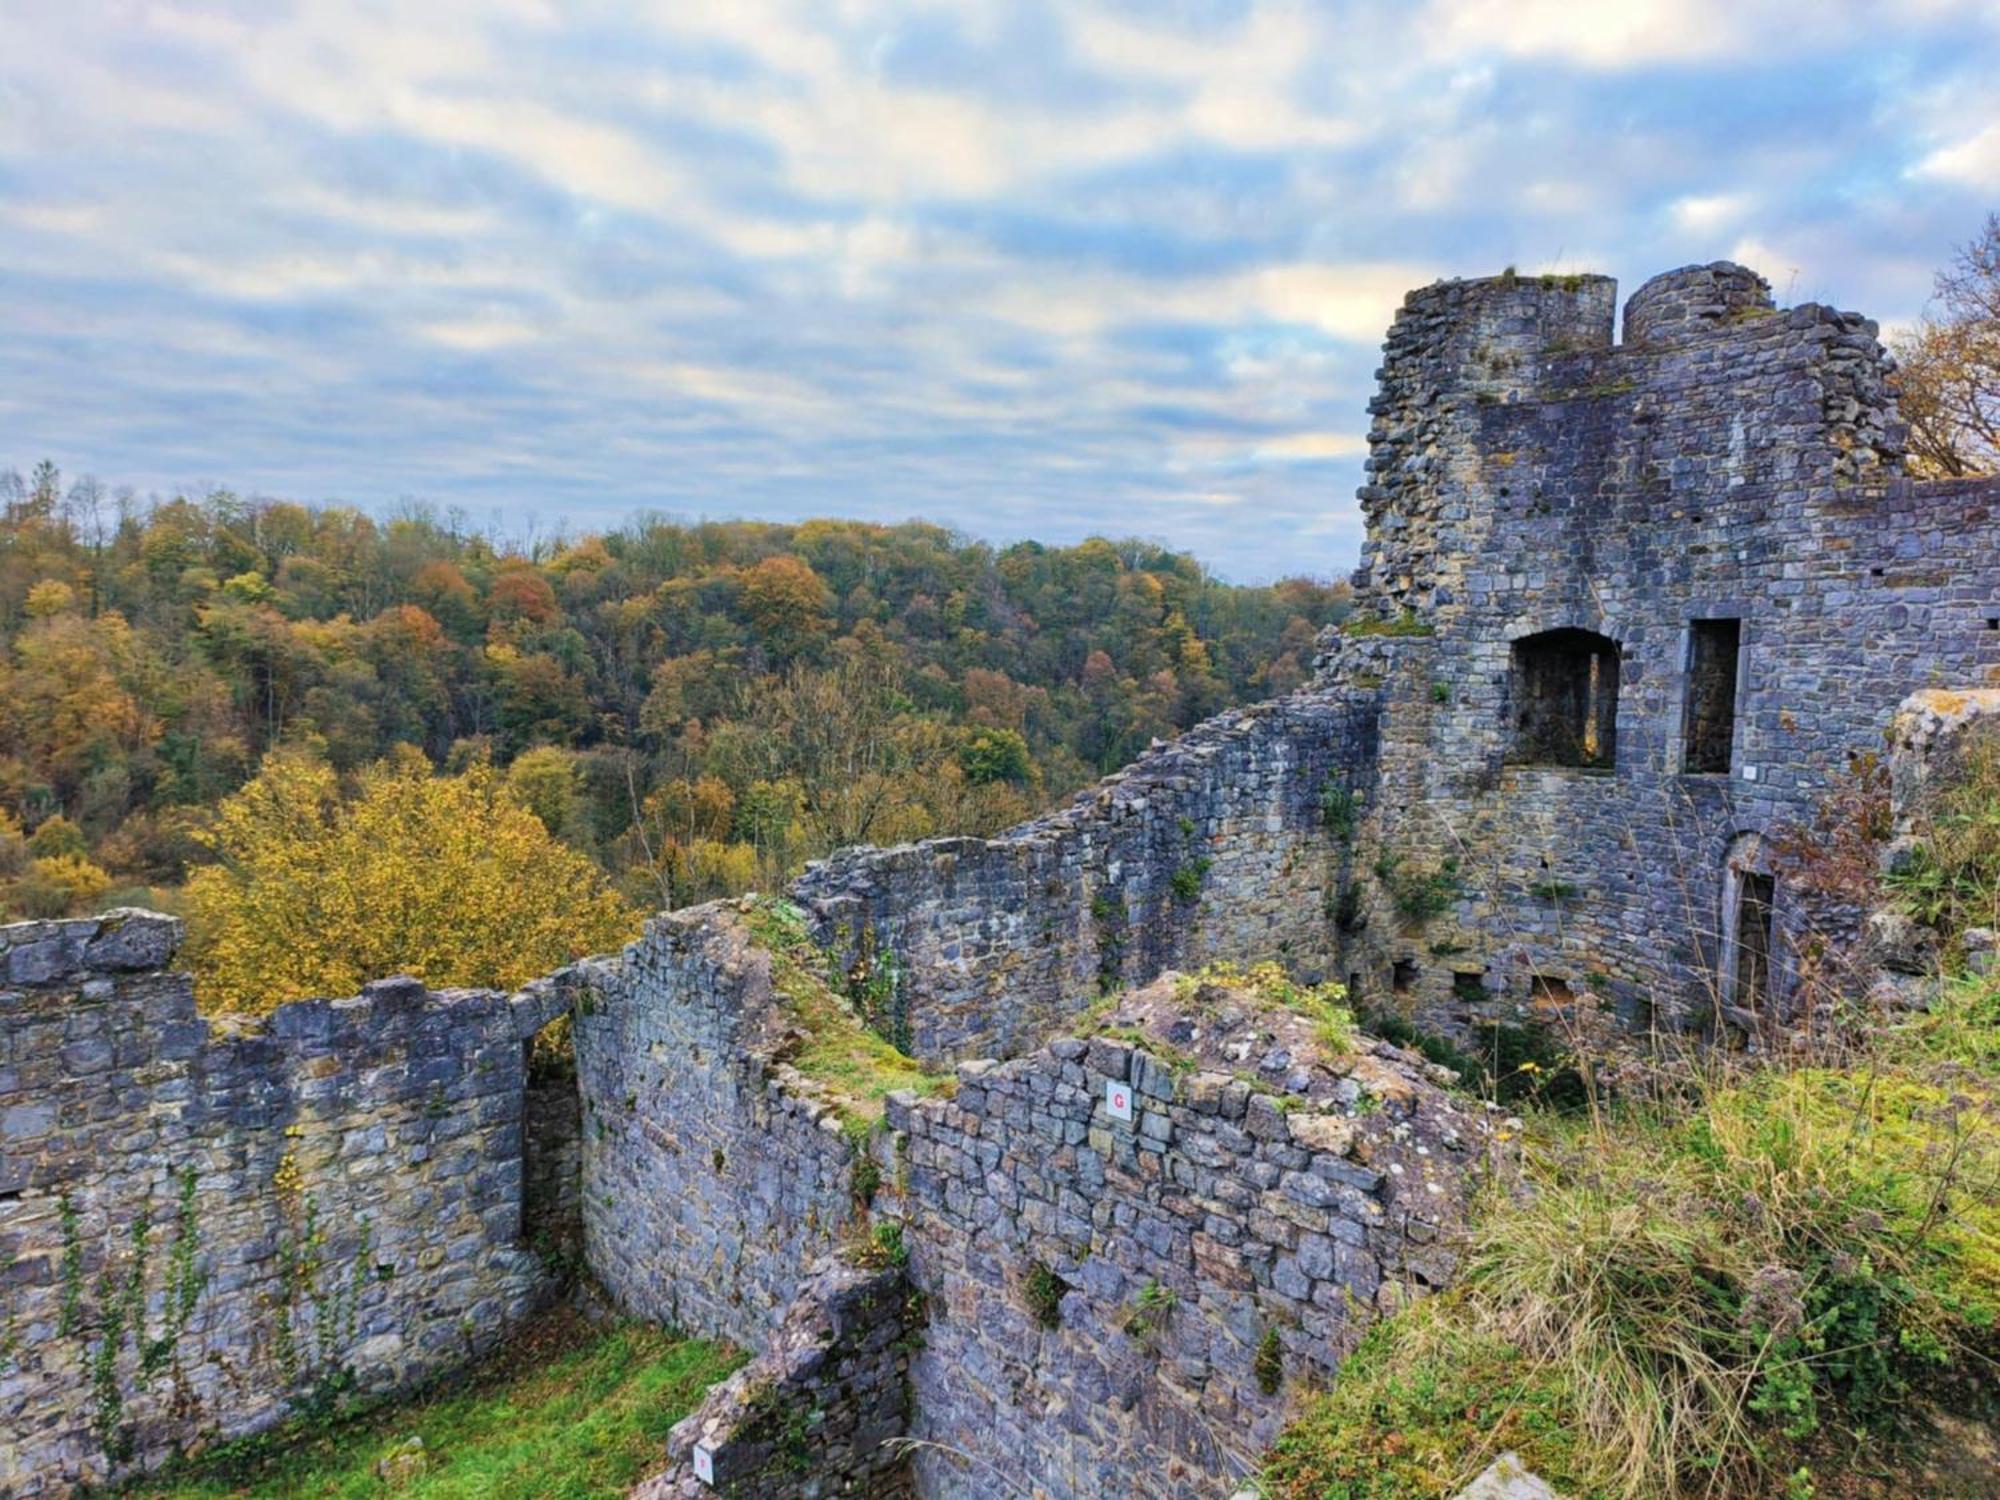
<point x="566" y="1412"/>
<point x="858" y="1067"/>
<point x="1407" y="623"/>
<point x="1695" y="1295"/>
<point x="1322" y="1004"/>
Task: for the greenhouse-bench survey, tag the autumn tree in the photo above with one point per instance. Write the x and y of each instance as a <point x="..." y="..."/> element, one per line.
<point x="786" y="602"/>
<point x="1950" y="366"/>
<point x="448" y="878"/>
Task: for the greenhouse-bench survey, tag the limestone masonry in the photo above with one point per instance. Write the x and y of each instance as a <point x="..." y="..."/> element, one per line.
<point x="1628" y="611"/>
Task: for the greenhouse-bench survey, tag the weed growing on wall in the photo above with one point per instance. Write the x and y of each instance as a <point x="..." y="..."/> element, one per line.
<point x="1269" y="1364"/>
<point x="1418" y="895"/>
<point x="1186" y="880"/>
<point x="1043" y="1290"/>
<point x="1150" y="1312"/>
<point x="1339" y="808"/>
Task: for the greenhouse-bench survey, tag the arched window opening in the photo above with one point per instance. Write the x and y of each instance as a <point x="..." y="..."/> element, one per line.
<point x="1565" y="700"/>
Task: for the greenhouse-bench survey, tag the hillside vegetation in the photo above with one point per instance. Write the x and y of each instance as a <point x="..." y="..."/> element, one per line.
<point x="693" y="710"/>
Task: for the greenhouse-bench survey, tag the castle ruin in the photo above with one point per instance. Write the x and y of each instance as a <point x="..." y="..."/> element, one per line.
<point x="1628" y="610"/>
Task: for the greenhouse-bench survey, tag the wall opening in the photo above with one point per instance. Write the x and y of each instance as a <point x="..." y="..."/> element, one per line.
<point x="1715" y="650"/>
<point x="1756" y="899"/>
<point x="1565" y="699"/>
<point x="552" y="1150"/>
<point x="1403" y="977"/>
<point x="1753" y="978"/>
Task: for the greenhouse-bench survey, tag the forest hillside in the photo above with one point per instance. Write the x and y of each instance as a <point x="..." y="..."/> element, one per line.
<point x="691" y="709"/>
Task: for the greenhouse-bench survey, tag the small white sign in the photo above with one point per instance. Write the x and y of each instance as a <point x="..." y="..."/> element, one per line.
<point x="704" y="1463"/>
<point x="1118" y="1099"/>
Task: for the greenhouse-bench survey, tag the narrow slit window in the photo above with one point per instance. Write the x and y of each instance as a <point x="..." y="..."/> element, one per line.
<point x="1715" y="649"/>
<point x="1565" y="699"/>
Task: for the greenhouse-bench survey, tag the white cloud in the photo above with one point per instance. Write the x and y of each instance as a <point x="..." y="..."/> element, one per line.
<point x="1312" y="446"/>
<point x="480" y="335"/>
<point x="1973" y="162"/>
<point x="1708" y="213"/>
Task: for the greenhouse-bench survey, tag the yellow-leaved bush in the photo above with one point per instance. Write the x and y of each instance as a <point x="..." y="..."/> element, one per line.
<point x="448" y="878"/>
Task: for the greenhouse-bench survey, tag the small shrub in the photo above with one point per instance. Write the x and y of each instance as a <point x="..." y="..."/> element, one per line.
<point x="1044" y="1291"/>
<point x="1552" y="890"/>
<point x="1418" y="895"/>
<point x="1440" y="692"/>
<point x="1186" y="881"/>
<point x="1269" y="1364"/>
<point x="58" y="838"/>
<point x="1339" y="808"/>
<point x="60" y="885"/>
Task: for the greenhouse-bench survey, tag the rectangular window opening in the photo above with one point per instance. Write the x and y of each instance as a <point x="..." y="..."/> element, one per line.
<point x="1403" y="978"/>
<point x="1715" y="649"/>
<point x="1564" y="692"/>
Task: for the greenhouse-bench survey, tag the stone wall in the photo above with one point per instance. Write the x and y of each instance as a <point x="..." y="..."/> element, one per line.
<point x="712" y="1176"/>
<point x="1211" y="847"/>
<point x="202" y="1221"/>
<point x="1729" y="461"/>
<point x="1129" y="1306"/>
<point x="819" y="1413"/>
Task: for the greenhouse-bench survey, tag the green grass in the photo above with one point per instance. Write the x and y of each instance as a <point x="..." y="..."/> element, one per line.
<point x="566" y="1412"/>
<point x="858" y="1067"/>
<point x="1699" y="1295"/>
<point x="1406" y="624"/>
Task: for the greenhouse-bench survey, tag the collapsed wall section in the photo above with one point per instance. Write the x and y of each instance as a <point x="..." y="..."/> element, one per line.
<point x="1211" y="847"/>
<point x="820" y="1412"/>
<point x="201" y="1223"/>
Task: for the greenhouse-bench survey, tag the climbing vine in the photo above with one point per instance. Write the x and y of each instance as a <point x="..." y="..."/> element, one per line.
<point x="318" y="1311"/>
<point x="116" y="1316"/>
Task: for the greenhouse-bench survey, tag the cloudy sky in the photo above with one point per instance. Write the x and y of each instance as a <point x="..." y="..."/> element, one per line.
<point x="1026" y="267"/>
